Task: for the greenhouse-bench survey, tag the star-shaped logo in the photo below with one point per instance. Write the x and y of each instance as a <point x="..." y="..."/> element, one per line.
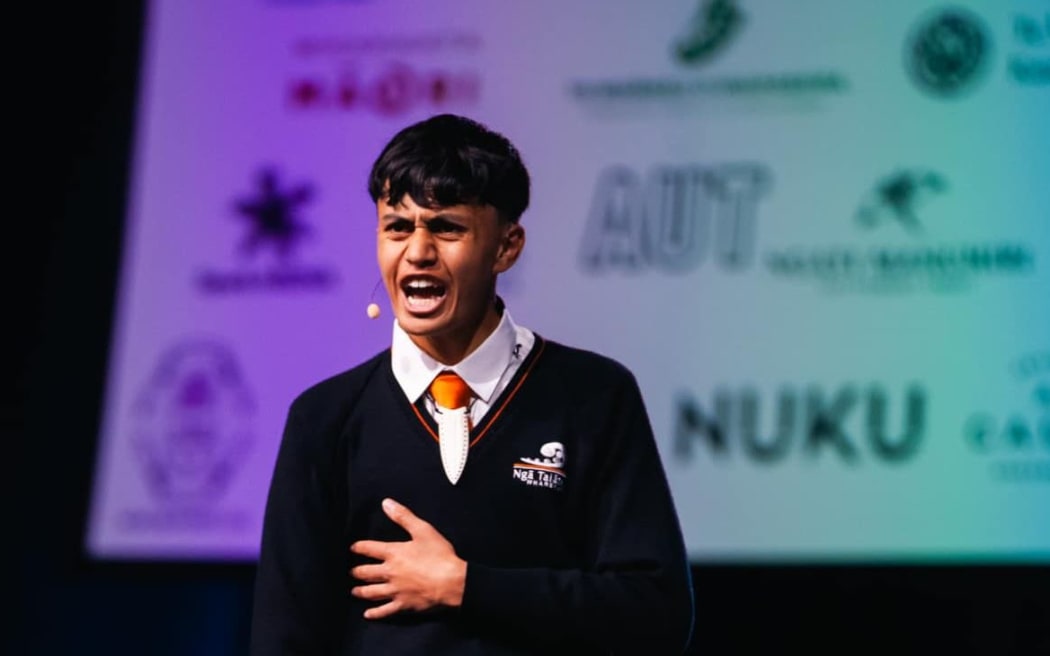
<point x="272" y="213"/>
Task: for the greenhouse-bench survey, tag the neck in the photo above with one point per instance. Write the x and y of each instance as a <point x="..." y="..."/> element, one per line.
<point x="450" y="349"/>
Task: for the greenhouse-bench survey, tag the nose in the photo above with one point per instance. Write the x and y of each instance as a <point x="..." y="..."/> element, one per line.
<point x="420" y="251"/>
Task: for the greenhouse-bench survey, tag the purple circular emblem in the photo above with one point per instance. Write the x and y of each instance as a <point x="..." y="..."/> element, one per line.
<point x="193" y="423"/>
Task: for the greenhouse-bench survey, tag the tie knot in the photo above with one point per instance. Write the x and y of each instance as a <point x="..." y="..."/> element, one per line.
<point x="450" y="391"/>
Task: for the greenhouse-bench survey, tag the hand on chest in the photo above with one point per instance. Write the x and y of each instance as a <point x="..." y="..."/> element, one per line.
<point x="515" y="492"/>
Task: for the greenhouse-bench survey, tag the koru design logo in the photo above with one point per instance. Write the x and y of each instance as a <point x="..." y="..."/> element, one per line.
<point x="709" y="31"/>
<point x="948" y="51"/>
<point x="546" y="471"/>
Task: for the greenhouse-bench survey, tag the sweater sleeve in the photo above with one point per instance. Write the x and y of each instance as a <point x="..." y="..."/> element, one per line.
<point x="300" y="588"/>
<point x="634" y="595"/>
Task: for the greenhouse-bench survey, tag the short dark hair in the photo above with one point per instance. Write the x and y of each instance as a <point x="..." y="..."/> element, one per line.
<point x="451" y="160"/>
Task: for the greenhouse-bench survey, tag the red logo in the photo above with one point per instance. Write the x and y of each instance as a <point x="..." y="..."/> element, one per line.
<point x="393" y="90"/>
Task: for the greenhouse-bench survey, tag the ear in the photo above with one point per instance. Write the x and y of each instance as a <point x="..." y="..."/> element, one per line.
<point x="511" y="243"/>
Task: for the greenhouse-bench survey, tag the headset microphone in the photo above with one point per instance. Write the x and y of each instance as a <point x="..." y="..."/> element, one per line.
<point x="373" y="307"/>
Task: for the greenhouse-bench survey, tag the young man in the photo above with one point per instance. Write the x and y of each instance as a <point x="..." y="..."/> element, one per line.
<point x="529" y="516"/>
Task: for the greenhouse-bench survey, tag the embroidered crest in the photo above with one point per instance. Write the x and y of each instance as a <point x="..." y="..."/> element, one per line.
<point x="546" y="471"/>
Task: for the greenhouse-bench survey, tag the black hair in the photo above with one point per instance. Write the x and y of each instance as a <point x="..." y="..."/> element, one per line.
<point x="451" y="160"/>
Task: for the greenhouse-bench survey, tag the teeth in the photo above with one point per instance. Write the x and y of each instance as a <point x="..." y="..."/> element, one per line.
<point x="421" y="284"/>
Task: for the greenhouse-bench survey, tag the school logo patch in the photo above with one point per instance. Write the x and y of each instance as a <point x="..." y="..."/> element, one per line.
<point x="546" y="471"/>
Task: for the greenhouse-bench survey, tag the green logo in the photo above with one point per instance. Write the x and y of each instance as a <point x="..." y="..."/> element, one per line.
<point x="706" y="33"/>
<point x="898" y="196"/>
<point x="1029" y="63"/>
<point x="896" y="266"/>
<point x="1016" y="441"/>
<point x="710" y="29"/>
<point x="948" y="51"/>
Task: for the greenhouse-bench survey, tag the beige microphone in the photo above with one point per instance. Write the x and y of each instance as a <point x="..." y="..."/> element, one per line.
<point x="373" y="308"/>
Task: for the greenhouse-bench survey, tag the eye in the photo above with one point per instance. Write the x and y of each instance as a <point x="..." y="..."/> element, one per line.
<point x="399" y="227"/>
<point x="444" y="227"/>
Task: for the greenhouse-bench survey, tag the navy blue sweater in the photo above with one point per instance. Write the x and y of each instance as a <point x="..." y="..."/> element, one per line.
<point x="563" y="515"/>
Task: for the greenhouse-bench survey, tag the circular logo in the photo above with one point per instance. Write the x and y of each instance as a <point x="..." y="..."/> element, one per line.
<point x="193" y="423"/>
<point x="948" y="52"/>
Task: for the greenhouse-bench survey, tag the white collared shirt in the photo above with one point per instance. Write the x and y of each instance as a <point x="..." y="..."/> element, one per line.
<point x="487" y="370"/>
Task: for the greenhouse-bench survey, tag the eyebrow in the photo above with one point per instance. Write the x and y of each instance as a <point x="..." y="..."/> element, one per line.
<point x="391" y="216"/>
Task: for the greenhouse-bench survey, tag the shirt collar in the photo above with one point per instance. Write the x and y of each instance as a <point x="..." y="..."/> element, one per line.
<point x="481" y="369"/>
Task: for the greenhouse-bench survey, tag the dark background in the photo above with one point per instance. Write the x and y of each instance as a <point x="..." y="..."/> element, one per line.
<point x="81" y="91"/>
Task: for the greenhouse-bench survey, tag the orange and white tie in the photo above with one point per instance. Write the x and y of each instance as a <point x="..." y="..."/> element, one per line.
<point x="452" y="395"/>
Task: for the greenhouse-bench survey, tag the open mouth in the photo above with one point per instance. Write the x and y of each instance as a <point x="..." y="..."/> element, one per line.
<point x="423" y="294"/>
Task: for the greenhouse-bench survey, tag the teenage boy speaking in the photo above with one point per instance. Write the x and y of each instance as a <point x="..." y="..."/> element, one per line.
<point x="475" y="488"/>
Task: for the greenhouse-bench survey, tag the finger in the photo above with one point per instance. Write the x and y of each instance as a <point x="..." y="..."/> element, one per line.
<point x="372" y="549"/>
<point x="369" y="573"/>
<point x="405" y="518"/>
<point x="375" y="591"/>
<point x="386" y="610"/>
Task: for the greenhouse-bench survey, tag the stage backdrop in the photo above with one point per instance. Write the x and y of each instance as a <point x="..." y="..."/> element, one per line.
<point x="817" y="231"/>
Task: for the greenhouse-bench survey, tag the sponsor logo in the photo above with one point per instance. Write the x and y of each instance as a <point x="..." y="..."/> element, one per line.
<point x="713" y="26"/>
<point x="709" y="31"/>
<point x="396" y="89"/>
<point x="1029" y="61"/>
<point x="272" y="215"/>
<point x="192" y="431"/>
<point x="385" y="75"/>
<point x="898" y="198"/>
<point x="674" y="218"/>
<point x="851" y="424"/>
<point x="274" y="230"/>
<point x="1015" y="442"/>
<point x="900" y="203"/>
<point x="948" y="52"/>
<point x="548" y="470"/>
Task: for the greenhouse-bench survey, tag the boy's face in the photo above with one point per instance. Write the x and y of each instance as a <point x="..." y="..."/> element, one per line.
<point x="440" y="265"/>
